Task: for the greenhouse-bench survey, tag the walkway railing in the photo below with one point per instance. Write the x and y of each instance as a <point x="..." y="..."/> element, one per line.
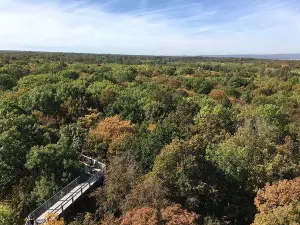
<point x="80" y="191"/>
<point x="96" y="169"/>
<point x="46" y="205"/>
<point x="93" y="162"/>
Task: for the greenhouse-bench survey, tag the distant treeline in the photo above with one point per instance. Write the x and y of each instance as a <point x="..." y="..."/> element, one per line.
<point x="112" y="58"/>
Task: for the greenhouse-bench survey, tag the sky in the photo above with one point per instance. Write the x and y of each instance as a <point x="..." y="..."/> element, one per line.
<point x="151" y="27"/>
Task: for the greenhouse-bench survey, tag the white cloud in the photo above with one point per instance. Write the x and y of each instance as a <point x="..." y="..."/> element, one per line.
<point x="81" y="27"/>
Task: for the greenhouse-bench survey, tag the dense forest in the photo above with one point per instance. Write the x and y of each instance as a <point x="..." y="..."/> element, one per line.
<point x="187" y="140"/>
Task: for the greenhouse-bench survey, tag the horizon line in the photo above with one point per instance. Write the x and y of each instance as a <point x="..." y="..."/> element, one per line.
<point x="120" y="54"/>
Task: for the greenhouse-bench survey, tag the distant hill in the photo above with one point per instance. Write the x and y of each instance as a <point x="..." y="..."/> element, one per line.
<point x="295" y="56"/>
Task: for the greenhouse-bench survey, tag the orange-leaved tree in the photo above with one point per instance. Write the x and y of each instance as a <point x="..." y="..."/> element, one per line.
<point x="217" y="94"/>
<point x="145" y="215"/>
<point x="175" y="215"/>
<point x="279" y="204"/>
<point x="113" y="131"/>
<point x="171" y="215"/>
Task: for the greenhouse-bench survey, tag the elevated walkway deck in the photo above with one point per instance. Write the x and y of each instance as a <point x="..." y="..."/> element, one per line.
<point x="70" y="193"/>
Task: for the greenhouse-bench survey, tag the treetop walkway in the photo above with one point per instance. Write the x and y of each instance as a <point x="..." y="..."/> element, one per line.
<point x="57" y="204"/>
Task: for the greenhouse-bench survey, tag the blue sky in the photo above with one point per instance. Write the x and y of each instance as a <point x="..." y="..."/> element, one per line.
<point x="173" y="27"/>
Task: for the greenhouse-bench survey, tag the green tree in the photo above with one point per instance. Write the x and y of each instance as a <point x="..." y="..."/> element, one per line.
<point x="216" y="113"/>
<point x="18" y="133"/>
<point x="251" y="155"/>
<point x="15" y="71"/>
<point x="44" y="189"/>
<point x="125" y="74"/>
<point x="42" y="98"/>
<point x="69" y="74"/>
<point x="6" y="82"/>
<point x="53" y="159"/>
<point x="7" y="215"/>
<point x="103" y="93"/>
<point x="191" y="180"/>
<point x="199" y="85"/>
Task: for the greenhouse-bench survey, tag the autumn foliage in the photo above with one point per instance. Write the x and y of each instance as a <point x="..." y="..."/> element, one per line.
<point x="279" y="194"/>
<point x="217" y="95"/>
<point x="52" y="219"/>
<point x="145" y="215"/>
<point x="175" y="215"/>
<point x="279" y="203"/>
<point x="171" y="215"/>
<point x="113" y="131"/>
<point x="113" y="128"/>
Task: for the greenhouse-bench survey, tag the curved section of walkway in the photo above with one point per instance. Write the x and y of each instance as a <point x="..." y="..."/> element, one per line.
<point x="69" y="194"/>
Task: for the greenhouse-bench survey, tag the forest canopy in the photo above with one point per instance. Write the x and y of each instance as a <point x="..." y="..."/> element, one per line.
<point x="187" y="140"/>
